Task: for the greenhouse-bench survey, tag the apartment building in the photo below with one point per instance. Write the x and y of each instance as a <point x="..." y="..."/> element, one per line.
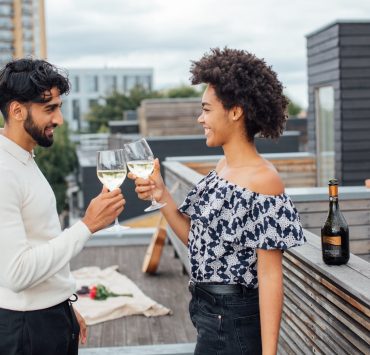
<point x="91" y="86"/>
<point x="22" y="29"/>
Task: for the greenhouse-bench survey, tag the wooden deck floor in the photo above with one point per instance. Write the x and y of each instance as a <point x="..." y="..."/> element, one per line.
<point x="168" y="287"/>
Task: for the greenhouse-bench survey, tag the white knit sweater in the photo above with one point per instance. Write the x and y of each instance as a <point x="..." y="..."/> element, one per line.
<point x="34" y="252"/>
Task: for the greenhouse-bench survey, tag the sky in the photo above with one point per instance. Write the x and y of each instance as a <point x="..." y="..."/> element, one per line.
<point x="167" y="34"/>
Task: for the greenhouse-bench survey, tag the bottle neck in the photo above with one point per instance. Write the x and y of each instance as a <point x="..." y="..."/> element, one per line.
<point x="333" y="203"/>
<point x="333" y="196"/>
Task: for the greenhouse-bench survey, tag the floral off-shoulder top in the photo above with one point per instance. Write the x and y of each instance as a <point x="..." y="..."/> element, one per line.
<point x="228" y="224"/>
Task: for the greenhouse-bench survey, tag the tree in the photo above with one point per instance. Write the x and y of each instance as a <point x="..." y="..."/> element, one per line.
<point x="183" y="91"/>
<point x="293" y="108"/>
<point x="57" y="162"/>
<point x="115" y="104"/>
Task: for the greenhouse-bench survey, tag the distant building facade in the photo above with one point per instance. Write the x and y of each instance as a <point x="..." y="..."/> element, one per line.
<point x="339" y="101"/>
<point x="91" y="86"/>
<point x="22" y="29"/>
<point x="170" y="117"/>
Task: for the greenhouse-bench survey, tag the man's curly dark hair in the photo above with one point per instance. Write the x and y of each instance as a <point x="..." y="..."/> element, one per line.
<point x="241" y="79"/>
<point x="30" y="80"/>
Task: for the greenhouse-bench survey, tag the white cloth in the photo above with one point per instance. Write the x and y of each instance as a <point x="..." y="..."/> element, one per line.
<point x="95" y="311"/>
<point x="34" y="252"/>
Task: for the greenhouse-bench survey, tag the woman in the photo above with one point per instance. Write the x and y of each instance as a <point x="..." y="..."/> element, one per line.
<point x="237" y="220"/>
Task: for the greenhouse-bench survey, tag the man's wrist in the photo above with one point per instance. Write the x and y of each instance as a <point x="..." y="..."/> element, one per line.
<point x="88" y="224"/>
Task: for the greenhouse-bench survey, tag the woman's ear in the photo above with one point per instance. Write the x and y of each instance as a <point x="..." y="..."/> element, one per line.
<point x="237" y="113"/>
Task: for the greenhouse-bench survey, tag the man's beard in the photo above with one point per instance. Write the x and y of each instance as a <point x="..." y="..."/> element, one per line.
<point x="36" y="132"/>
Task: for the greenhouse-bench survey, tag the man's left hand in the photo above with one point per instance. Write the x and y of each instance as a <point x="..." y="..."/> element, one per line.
<point x="83" y="327"/>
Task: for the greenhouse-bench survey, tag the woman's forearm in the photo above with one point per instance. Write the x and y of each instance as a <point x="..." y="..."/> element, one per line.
<point x="270" y="280"/>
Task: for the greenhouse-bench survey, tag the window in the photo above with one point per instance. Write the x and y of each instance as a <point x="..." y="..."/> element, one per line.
<point x="129" y="82"/>
<point x="92" y="83"/>
<point x="27" y="22"/>
<point x="27" y="34"/>
<point x="144" y="82"/>
<point x="5" y="10"/>
<point x="92" y="102"/>
<point x="65" y="108"/>
<point x="5" y="57"/>
<point x="28" y="48"/>
<point x="76" y="111"/>
<point x="110" y="83"/>
<point x="75" y="83"/>
<point x="325" y="134"/>
<point x="6" y="36"/>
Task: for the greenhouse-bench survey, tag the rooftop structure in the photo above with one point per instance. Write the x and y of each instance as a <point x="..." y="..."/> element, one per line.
<point x="339" y="101"/>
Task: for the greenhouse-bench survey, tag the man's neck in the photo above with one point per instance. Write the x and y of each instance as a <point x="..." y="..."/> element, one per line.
<point x="18" y="138"/>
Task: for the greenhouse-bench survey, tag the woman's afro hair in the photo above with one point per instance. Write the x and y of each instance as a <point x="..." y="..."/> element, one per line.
<point x="241" y="79"/>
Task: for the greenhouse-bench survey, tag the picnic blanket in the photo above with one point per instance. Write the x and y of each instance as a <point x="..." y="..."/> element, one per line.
<point x="114" y="307"/>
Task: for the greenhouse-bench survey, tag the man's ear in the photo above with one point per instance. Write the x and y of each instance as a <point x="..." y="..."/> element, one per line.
<point x="16" y="111"/>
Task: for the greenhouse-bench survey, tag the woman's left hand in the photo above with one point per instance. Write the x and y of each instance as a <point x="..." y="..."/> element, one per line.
<point x="83" y="326"/>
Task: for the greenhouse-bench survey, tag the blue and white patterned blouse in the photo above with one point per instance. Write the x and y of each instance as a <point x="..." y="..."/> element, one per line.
<point x="228" y="224"/>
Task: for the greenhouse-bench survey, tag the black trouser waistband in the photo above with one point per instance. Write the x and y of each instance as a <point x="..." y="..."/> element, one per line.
<point x="219" y="289"/>
<point x="208" y="290"/>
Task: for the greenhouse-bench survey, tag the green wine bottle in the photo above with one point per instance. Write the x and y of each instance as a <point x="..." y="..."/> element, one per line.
<point x="335" y="233"/>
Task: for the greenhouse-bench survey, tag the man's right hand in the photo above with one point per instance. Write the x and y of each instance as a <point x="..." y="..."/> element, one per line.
<point x="103" y="209"/>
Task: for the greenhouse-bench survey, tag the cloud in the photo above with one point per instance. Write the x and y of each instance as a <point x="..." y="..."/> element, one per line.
<point x="167" y="34"/>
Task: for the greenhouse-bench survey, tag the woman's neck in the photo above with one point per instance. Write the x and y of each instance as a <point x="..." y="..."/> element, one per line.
<point x="240" y="153"/>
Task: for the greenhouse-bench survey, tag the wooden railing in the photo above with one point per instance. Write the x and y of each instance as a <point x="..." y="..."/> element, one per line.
<point x="326" y="309"/>
<point x="296" y="169"/>
<point x="354" y="201"/>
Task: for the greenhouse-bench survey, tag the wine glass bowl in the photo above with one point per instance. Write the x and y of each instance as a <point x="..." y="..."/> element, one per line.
<point x="140" y="161"/>
<point x="111" y="171"/>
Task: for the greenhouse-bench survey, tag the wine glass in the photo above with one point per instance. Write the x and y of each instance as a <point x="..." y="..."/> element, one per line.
<point x="140" y="161"/>
<point x="111" y="170"/>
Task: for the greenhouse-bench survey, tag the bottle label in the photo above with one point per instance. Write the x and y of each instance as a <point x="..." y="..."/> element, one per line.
<point x="332" y="246"/>
<point x="332" y="251"/>
<point x="332" y="240"/>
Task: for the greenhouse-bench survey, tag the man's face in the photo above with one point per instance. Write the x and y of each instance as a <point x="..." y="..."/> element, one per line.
<point x="38" y="133"/>
<point x="43" y="118"/>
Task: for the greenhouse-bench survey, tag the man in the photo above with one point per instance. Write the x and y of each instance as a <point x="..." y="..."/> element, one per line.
<point x="36" y="316"/>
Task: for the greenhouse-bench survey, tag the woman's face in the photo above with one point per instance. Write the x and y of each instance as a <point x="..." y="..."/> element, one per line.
<point x="215" y="119"/>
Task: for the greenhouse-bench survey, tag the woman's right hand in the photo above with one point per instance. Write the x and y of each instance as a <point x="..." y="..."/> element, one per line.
<point x="153" y="186"/>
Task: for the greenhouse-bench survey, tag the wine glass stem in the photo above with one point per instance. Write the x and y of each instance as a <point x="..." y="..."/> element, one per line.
<point x="154" y="202"/>
<point x="116" y="224"/>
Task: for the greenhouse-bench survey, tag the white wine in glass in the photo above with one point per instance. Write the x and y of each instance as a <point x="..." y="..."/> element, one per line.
<point x="111" y="170"/>
<point x="140" y="161"/>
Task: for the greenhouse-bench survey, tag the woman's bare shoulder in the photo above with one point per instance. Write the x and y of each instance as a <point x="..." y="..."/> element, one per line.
<point x="266" y="180"/>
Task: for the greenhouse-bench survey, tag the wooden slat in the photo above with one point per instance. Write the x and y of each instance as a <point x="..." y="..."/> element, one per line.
<point x="301" y="304"/>
<point x="297" y="320"/>
<point x="286" y="344"/>
<point x="340" y="330"/>
<point x="352" y="217"/>
<point x="324" y="289"/>
<point x="294" y="339"/>
<point x="356" y="233"/>
<point x="347" y="205"/>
